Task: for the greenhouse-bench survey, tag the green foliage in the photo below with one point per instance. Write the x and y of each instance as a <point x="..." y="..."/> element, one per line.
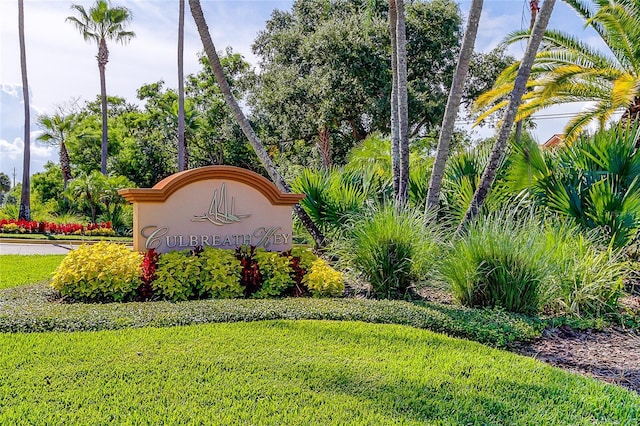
<point x="323" y="280"/>
<point x="325" y="70"/>
<point x="220" y="274"/>
<point x="519" y="263"/>
<point x="588" y="280"/>
<point x="390" y="249"/>
<point x="102" y="271"/>
<point x="501" y="262"/>
<point x="17" y="270"/>
<point x="276" y="273"/>
<point x="594" y="181"/>
<point x="178" y="275"/>
<point x="330" y="197"/>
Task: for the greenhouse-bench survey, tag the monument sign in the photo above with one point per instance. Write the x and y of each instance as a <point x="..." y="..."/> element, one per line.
<point x="217" y="206"/>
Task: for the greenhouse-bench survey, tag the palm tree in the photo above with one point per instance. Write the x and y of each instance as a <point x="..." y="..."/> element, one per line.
<point x="182" y="144"/>
<point x="568" y="70"/>
<point x="453" y="103"/>
<point x="56" y="129"/>
<point x="519" y="87"/>
<point x="25" y="196"/>
<point x="403" y="103"/>
<point x="101" y="23"/>
<point x="218" y="72"/>
<point x="395" y="138"/>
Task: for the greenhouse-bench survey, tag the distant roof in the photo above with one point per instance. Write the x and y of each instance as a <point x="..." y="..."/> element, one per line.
<point x="553" y="141"/>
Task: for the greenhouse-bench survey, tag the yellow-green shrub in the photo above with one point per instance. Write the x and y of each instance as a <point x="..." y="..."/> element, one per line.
<point x="103" y="271"/>
<point x="323" y="280"/>
<point x="177" y="276"/>
<point x="276" y="273"/>
<point x="100" y="232"/>
<point x="220" y="277"/>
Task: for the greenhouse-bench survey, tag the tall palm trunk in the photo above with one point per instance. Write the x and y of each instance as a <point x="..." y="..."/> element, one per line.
<point x="453" y="103"/>
<point x="103" y="58"/>
<point x="403" y="104"/>
<point x="519" y="87"/>
<point x="324" y="145"/>
<point x="182" y="143"/>
<point x="395" y="139"/>
<point x="214" y="62"/>
<point x="25" y="196"/>
<point x="65" y="165"/>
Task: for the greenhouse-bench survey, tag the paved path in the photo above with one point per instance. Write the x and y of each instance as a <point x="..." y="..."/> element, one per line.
<point x="60" y="247"/>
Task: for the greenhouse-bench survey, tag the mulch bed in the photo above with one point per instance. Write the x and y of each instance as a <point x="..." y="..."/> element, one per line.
<point x="611" y="355"/>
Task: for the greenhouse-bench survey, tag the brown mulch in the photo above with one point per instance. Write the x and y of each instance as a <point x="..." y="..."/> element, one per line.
<point x="611" y="355"/>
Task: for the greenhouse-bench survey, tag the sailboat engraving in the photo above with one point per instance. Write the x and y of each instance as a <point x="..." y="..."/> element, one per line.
<point x="220" y="212"/>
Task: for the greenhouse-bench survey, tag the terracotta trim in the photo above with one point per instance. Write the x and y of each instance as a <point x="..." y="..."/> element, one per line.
<point x="163" y="189"/>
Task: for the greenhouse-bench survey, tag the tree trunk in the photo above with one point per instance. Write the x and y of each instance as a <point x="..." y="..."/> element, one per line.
<point x="395" y="131"/>
<point x="324" y="144"/>
<point x="403" y="104"/>
<point x="103" y="58"/>
<point x="182" y="143"/>
<point x="214" y="62"/>
<point x="65" y="165"/>
<point x="453" y="103"/>
<point x="25" y="196"/>
<point x="519" y="87"/>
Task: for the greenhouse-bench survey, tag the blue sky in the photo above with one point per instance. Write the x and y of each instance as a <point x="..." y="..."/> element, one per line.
<point x="62" y="66"/>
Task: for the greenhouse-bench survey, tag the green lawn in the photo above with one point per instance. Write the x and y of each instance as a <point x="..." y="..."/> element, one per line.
<point x="16" y="270"/>
<point x="290" y="373"/>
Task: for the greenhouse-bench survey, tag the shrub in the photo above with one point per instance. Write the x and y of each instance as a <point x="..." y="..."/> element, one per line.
<point x="500" y="261"/>
<point x="103" y="271"/>
<point x="177" y="275"/>
<point x="389" y="249"/>
<point x="275" y="271"/>
<point x="588" y="280"/>
<point x="323" y="280"/>
<point x="220" y="274"/>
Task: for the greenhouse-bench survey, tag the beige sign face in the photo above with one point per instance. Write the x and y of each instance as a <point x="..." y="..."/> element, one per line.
<point x="216" y="206"/>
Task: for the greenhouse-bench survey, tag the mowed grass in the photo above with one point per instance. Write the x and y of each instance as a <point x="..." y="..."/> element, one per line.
<point x="16" y="270"/>
<point x="290" y="373"/>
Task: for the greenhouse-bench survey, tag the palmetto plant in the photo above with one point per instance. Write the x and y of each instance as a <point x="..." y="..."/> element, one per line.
<point x="596" y="181"/>
<point x="566" y="69"/>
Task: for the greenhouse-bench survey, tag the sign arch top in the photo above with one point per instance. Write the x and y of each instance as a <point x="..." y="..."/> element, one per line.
<point x="218" y="206"/>
<point x="167" y="186"/>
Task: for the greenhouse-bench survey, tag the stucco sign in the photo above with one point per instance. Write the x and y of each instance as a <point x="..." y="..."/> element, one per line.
<point x="217" y="206"/>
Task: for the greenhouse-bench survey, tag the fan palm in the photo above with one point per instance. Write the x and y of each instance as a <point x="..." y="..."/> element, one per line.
<point x="101" y="23"/>
<point x="56" y="128"/>
<point x="568" y="70"/>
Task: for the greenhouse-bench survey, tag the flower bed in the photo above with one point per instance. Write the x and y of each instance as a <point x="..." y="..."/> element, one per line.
<point x="21" y="226"/>
<point x="105" y="272"/>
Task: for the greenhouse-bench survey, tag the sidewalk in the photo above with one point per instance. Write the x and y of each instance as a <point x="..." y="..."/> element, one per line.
<point x="45" y="247"/>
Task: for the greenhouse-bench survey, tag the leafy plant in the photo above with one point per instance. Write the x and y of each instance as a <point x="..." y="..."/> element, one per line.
<point x="323" y="280"/>
<point x="220" y="274"/>
<point x="594" y="181"/>
<point x="177" y="275"/>
<point x="275" y="271"/>
<point x="103" y="271"/>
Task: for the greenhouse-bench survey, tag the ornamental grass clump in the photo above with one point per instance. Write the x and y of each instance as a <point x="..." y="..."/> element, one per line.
<point x="391" y="250"/>
<point x="501" y="261"/>
<point x="588" y="279"/>
<point x="99" y="272"/>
